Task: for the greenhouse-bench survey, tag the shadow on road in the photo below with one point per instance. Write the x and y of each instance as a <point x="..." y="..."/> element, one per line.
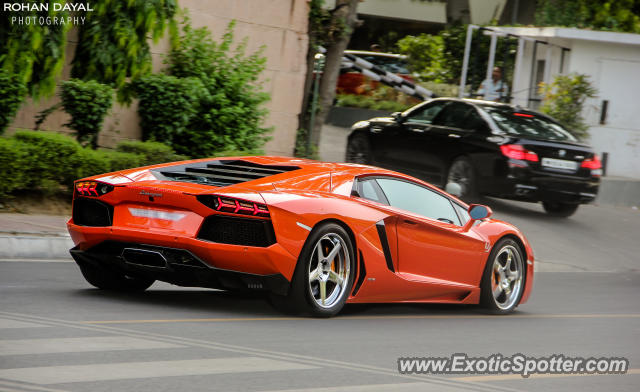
<point x="249" y="304"/>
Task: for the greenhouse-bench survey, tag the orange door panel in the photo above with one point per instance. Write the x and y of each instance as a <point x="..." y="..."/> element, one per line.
<point x="438" y="250"/>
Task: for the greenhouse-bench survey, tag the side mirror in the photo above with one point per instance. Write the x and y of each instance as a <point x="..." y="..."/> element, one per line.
<point x="477" y="212"/>
<point x="397" y="116"/>
<point x="453" y="188"/>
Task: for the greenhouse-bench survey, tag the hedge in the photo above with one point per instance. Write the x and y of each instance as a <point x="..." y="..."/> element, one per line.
<point x="49" y="162"/>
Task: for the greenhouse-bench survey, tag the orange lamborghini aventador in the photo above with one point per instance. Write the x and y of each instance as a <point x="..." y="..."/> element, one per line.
<point x="311" y="235"/>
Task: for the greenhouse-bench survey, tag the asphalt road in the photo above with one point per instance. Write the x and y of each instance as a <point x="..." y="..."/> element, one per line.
<point x="59" y="334"/>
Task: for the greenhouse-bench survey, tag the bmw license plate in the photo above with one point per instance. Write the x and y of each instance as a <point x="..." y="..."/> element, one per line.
<point x="559" y="164"/>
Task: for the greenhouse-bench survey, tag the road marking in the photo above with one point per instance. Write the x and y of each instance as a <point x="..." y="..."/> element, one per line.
<point x="381" y="317"/>
<point x="8" y="323"/>
<point x="26" y="387"/>
<point x="78" y="345"/>
<point x="122" y="371"/>
<point x="271" y="354"/>
<point x="502" y="377"/>
<point x="401" y="387"/>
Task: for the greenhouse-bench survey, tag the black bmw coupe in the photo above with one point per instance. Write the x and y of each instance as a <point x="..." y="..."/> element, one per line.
<point x="483" y="148"/>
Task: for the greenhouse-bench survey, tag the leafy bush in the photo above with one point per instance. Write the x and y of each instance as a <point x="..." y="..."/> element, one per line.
<point x="167" y="105"/>
<point x="48" y="156"/>
<point x="364" y="102"/>
<point x="564" y="99"/>
<point x="12" y="92"/>
<point x="26" y="161"/>
<point x="12" y="176"/>
<point x="87" y="102"/>
<point x="230" y="116"/>
<point x="152" y="152"/>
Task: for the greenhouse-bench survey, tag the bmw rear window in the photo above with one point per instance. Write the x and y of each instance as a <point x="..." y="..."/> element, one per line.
<point x="527" y="124"/>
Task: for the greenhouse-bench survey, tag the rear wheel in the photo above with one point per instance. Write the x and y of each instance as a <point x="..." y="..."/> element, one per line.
<point x="504" y="277"/>
<point x="462" y="173"/>
<point x="110" y="280"/>
<point x="558" y="209"/>
<point x="324" y="274"/>
<point x="359" y="150"/>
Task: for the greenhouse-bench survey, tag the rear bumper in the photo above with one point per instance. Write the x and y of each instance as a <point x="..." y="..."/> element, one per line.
<point x="252" y="260"/>
<point x="528" y="185"/>
<point x="175" y="266"/>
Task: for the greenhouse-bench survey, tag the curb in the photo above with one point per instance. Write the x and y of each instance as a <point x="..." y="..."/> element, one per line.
<point x="35" y="247"/>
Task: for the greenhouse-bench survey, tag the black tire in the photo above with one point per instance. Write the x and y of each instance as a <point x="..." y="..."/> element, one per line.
<point x="488" y="300"/>
<point x="110" y="280"/>
<point x="560" y="210"/>
<point x="303" y="291"/>
<point x="359" y="150"/>
<point x="462" y="172"/>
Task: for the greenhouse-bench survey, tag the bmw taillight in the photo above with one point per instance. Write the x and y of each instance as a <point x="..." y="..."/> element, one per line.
<point x="92" y="188"/>
<point x="516" y="151"/>
<point x="594" y="164"/>
<point x="233" y="205"/>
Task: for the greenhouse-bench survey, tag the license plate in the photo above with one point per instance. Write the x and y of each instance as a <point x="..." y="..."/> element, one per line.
<point x="559" y="164"/>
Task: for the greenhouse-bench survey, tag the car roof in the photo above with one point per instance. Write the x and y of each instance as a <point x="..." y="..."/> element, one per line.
<point x="482" y="102"/>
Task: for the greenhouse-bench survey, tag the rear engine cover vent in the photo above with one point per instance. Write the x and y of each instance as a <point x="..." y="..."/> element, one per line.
<point x="90" y="212"/>
<point x="237" y="231"/>
<point x="220" y="173"/>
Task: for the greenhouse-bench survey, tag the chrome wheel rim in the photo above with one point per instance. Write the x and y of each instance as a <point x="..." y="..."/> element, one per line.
<point x="506" y="277"/>
<point x="329" y="270"/>
<point x="461" y="173"/>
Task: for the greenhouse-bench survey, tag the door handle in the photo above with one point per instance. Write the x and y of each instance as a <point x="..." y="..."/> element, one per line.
<point x="376" y="129"/>
<point x="410" y="222"/>
<point x="454" y="135"/>
<point x="419" y="130"/>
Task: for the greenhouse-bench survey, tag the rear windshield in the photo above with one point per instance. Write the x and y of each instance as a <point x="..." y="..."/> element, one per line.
<point x="527" y="124"/>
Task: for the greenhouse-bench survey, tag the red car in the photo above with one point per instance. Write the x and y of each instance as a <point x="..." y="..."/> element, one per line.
<point x="312" y="235"/>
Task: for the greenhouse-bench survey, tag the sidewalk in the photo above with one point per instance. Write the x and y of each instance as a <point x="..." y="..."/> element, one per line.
<point x="34" y="237"/>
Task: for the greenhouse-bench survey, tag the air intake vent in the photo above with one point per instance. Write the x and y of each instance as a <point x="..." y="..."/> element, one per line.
<point x="90" y="212"/>
<point x="221" y="173"/>
<point x="237" y="231"/>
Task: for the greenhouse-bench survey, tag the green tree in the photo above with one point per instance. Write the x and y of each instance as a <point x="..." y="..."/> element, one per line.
<point x="564" y="100"/>
<point x="12" y="92"/>
<point x="34" y="52"/>
<point x="230" y="115"/>
<point x="614" y="15"/>
<point x="113" y="42"/>
<point x="425" y="53"/>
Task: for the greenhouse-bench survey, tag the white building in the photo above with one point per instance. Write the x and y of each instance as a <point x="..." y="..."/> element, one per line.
<point x="612" y="62"/>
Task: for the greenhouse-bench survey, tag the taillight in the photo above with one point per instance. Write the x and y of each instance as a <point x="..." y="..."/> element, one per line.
<point x="516" y="151"/>
<point x="594" y="164"/>
<point x="234" y="206"/>
<point x="92" y="188"/>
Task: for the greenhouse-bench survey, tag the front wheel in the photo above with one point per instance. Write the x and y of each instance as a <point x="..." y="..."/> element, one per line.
<point x="561" y="210"/>
<point x="462" y="173"/>
<point x="504" y="277"/>
<point x="110" y="280"/>
<point x="324" y="274"/>
<point x="359" y="150"/>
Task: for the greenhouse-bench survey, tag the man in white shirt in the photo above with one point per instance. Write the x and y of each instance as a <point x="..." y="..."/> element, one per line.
<point x="493" y="89"/>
